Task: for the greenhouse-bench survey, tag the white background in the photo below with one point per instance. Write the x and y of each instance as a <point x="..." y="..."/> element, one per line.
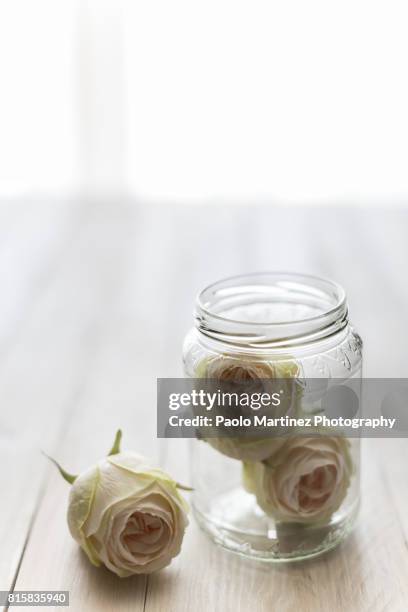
<point x="276" y="101"/>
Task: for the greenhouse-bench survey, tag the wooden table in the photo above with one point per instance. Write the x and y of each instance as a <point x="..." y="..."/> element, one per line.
<point x="95" y="301"/>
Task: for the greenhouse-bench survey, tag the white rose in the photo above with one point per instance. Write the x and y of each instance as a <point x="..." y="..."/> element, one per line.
<point x="258" y="376"/>
<point x="306" y="480"/>
<point x="126" y="514"/>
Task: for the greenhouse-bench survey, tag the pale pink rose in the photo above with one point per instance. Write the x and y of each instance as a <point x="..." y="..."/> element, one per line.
<point x="305" y="480"/>
<point x="248" y="368"/>
<point x="127" y="515"/>
<point x="260" y="375"/>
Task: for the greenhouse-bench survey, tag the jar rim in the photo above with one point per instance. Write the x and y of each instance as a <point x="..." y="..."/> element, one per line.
<point x="309" y="292"/>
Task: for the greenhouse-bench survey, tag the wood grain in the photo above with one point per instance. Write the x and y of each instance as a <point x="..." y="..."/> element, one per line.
<point x="97" y="299"/>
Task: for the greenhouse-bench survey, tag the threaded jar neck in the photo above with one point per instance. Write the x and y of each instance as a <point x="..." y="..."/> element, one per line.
<point x="271" y="310"/>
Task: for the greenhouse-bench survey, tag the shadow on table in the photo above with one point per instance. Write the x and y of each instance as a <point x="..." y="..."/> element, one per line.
<point x="334" y="576"/>
<point x="112" y="592"/>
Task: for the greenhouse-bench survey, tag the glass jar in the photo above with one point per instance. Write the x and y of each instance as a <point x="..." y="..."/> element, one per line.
<point x="273" y="501"/>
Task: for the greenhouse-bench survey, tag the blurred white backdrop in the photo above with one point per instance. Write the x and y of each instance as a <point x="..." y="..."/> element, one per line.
<point x="241" y="101"/>
<point x="38" y="111"/>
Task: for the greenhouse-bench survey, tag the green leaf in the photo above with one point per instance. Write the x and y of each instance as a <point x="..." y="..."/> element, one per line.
<point x="183" y="487"/>
<point x="70" y="478"/>
<point x="116" y="445"/>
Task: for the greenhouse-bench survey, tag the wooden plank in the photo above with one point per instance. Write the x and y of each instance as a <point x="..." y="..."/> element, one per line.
<point x="136" y="272"/>
<point x="27" y="254"/>
<point x="52" y="356"/>
<point x="119" y="392"/>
